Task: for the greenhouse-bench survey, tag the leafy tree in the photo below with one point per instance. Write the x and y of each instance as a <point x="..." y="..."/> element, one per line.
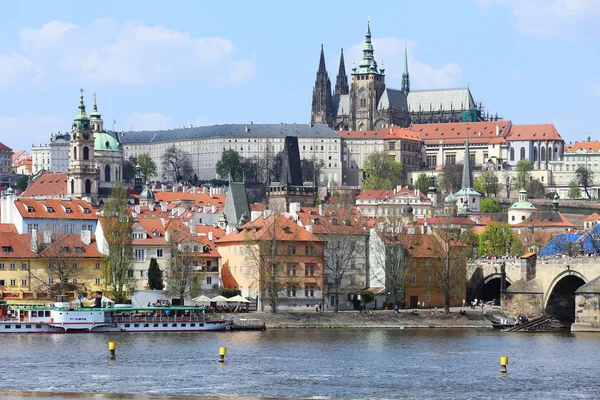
<point x="366" y="296"/>
<point x="230" y="165"/>
<point x="383" y="172"/>
<point x="451" y="177"/>
<point x="228" y="292"/>
<point x="574" y="191"/>
<point x="536" y="189"/>
<point x="22" y="182"/>
<point x="584" y="177"/>
<point x="422" y="183"/>
<point x="118" y="261"/>
<point x="489" y="206"/>
<point x="497" y="239"/>
<point x="487" y="184"/>
<point x="471" y="239"/>
<point x="147" y="165"/>
<point x="155" y="278"/>
<point x="523" y="169"/>
<point x="176" y="164"/>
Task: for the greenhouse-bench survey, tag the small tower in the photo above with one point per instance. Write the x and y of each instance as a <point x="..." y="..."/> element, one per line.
<point x="405" y="76"/>
<point x="468" y="198"/>
<point x="322" y="105"/>
<point x="555" y="203"/>
<point x="83" y="175"/>
<point x="432" y="192"/>
<point x="341" y="82"/>
<point x="96" y="118"/>
<point x="450" y="208"/>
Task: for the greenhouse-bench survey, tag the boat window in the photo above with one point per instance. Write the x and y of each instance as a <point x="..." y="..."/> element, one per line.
<point x="183" y="325"/>
<point x="127" y="325"/>
<point x="192" y="325"/>
<point x="174" y="325"/>
<point x="17" y="326"/>
<point x="155" y="326"/>
<point x="46" y="313"/>
<point x="38" y="327"/>
<point x="7" y="326"/>
<point x="27" y="326"/>
<point x="165" y="325"/>
<point x="146" y="325"/>
<point x="34" y="313"/>
<point x="136" y="325"/>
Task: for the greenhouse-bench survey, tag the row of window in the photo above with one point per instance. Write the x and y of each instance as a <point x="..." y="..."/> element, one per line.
<point x="309" y="291"/>
<point x="13" y="266"/>
<point x="542" y="154"/>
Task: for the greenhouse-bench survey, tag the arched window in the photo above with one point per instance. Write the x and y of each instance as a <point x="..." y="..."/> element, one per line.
<point x="556" y="153"/>
<point x="74" y="153"/>
<point x="535" y="154"/>
<point x="86" y="153"/>
<point x="72" y="186"/>
<point x="88" y="186"/>
<point x="522" y="153"/>
<point x="543" y="154"/>
<point x="107" y="173"/>
<point x="549" y="153"/>
<point x="512" y="154"/>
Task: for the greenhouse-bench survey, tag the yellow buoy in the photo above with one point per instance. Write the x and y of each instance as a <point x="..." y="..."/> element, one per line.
<point x="222" y="353"/>
<point x="112" y="347"/>
<point x="503" y="363"/>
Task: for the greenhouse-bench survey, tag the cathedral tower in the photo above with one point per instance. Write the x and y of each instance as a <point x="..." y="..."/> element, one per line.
<point x="368" y="84"/>
<point x="322" y="106"/>
<point x="83" y="174"/>
<point x="341" y="82"/>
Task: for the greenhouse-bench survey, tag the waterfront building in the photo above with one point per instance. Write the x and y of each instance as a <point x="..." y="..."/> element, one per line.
<point x="368" y="104"/>
<point x="6" y="155"/>
<point x="252" y="251"/>
<point x="578" y="155"/>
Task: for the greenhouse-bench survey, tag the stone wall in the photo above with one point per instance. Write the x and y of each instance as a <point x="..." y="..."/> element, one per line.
<point x="529" y="304"/>
<point x="587" y="312"/>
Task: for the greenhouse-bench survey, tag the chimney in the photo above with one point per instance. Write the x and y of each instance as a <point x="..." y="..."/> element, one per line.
<point x="86" y="237"/>
<point x="191" y="226"/>
<point x="321" y="211"/>
<point x="34" y="243"/>
<point x="246" y="129"/>
<point x="167" y="236"/>
<point x="151" y="207"/>
<point x="422" y="229"/>
<point x="497" y="130"/>
<point x="214" y="209"/>
<point x="309" y="228"/>
<point x="210" y="236"/>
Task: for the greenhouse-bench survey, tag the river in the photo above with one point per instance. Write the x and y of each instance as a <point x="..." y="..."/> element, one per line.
<point x="316" y="364"/>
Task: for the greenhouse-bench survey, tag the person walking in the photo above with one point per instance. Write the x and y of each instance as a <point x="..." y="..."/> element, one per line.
<point x="316" y="307"/>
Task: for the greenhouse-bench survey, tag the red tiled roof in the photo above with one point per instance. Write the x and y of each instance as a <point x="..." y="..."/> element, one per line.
<point x="60" y="209"/>
<point x="587" y="146"/>
<point x="262" y="229"/>
<point x="546" y="219"/>
<point x="47" y="184"/>
<point x="375" y="194"/>
<point x="257" y="207"/>
<point x="479" y="132"/>
<point x="362" y="134"/>
<point x="533" y="132"/>
<point x="395" y="132"/>
<point x="4" y="147"/>
<point x="19" y="244"/>
<point x="200" y="199"/>
<point x="71" y="241"/>
<point x="335" y="220"/>
<point x="593" y="217"/>
<point x="443" y="220"/>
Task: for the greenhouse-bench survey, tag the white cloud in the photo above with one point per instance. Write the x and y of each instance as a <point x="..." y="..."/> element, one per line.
<point x="545" y="18"/>
<point x="14" y="68"/>
<point x="22" y="131"/>
<point x="422" y="75"/>
<point x="129" y="53"/>
<point x="145" y="122"/>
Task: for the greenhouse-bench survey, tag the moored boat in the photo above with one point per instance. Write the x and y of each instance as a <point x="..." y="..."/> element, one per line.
<point x="64" y="317"/>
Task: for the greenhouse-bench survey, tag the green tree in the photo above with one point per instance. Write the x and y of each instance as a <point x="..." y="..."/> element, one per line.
<point x="574" y="191"/>
<point x="497" y="239"/>
<point x="383" y="172"/>
<point x="536" y="189"/>
<point x="147" y="165"/>
<point x="230" y="165"/>
<point x="522" y="179"/>
<point x="471" y="240"/>
<point x="584" y="177"/>
<point x="118" y="261"/>
<point x="489" y="206"/>
<point x="422" y="183"/>
<point x="22" y="182"/>
<point x="228" y="292"/>
<point x="451" y="177"/>
<point x="155" y="278"/>
<point x="366" y="296"/>
<point x="487" y="184"/>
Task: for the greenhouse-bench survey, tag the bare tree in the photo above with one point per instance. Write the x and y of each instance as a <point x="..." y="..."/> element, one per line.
<point x="181" y="271"/>
<point x="176" y="164"/>
<point x="506" y="179"/>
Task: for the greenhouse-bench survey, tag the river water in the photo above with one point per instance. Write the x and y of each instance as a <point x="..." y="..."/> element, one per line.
<point x="316" y="363"/>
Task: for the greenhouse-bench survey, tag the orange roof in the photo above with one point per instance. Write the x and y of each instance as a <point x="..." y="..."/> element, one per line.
<point x="362" y="134"/>
<point x="199" y="199"/>
<point x="19" y="244"/>
<point x="263" y="228"/>
<point x="593" y="217"/>
<point x="47" y="184"/>
<point x="546" y="219"/>
<point x="335" y="220"/>
<point x="72" y="241"/>
<point x="204" y="230"/>
<point x="584" y="146"/>
<point x="257" y="207"/>
<point x="55" y="209"/>
<point x="479" y="132"/>
<point x="395" y="132"/>
<point x="444" y="220"/>
<point x="8" y="228"/>
<point x="4" y="147"/>
<point x="375" y="194"/>
<point x="533" y="132"/>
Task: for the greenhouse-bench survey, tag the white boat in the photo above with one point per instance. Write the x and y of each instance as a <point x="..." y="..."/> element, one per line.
<point x="64" y="317"/>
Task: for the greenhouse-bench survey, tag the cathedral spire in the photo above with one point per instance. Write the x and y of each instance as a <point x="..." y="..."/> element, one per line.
<point x="467" y="177"/>
<point x="322" y="69"/>
<point x="368" y="63"/>
<point x="341" y="82"/>
<point x="322" y="105"/>
<point x="405" y="76"/>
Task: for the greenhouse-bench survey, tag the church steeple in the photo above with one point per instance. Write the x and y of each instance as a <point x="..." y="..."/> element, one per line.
<point x="368" y="63"/>
<point x="405" y="76"/>
<point x="467" y="177"/>
<point x="322" y="105"/>
<point x="341" y="82"/>
<point x="96" y="118"/>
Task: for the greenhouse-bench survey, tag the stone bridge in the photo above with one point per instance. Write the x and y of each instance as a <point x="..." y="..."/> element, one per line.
<point x="533" y="286"/>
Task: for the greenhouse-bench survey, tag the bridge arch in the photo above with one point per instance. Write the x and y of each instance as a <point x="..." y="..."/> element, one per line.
<point x="559" y="299"/>
<point x="490" y="289"/>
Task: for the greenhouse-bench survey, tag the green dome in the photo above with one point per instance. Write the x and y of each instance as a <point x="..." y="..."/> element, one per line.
<point x="523" y="204"/>
<point x="103" y="141"/>
<point x="451" y="199"/>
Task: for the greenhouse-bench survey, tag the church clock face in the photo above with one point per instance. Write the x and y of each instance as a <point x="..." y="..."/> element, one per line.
<point x="86" y="136"/>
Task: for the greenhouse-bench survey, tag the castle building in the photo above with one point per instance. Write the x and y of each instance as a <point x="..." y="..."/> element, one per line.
<point x="368" y="104"/>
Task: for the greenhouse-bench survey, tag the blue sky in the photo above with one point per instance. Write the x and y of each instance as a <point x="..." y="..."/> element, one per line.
<point x="160" y="65"/>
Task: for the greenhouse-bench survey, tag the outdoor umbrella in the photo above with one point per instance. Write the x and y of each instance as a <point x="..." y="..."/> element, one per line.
<point x="202" y="299"/>
<point x="238" y="299"/>
<point x="219" y="299"/>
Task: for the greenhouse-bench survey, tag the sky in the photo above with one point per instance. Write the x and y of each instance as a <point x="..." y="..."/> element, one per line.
<point x="164" y="65"/>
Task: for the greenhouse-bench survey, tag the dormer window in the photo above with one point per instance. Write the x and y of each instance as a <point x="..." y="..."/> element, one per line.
<point x="156" y="234"/>
<point x="50" y="209"/>
<point x="86" y="211"/>
<point x="68" y="210"/>
<point x="30" y="209"/>
<point x="64" y="250"/>
<point x="6" y="249"/>
<point x="78" y="250"/>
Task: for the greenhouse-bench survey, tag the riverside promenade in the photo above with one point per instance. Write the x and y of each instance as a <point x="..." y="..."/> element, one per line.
<point x="378" y="319"/>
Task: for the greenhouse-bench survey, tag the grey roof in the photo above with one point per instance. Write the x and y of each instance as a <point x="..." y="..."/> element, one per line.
<point x="341" y="104"/>
<point x="448" y="98"/>
<point x="230" y="130"/>
<point x="392" y="98"/>
<point x="236" y="203"/>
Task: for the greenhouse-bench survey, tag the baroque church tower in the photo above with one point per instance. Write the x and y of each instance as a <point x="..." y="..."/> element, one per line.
<point x="322" y="106"/>
<point x="368" y="84"/>
<point x="83" y="175"/>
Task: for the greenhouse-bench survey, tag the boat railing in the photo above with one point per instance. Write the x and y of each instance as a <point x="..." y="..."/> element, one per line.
<point x="154" y="319"/>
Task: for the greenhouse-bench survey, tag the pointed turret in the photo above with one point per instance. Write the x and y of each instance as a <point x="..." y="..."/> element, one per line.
<point x="96" y="118"/>
<point x="368" y="63"/>
<point x="322" y="105"/>
<point x="468" y="196"/>
<point x="341" y="83"/>
<point x="467" y="177"/>
<point x="405" y="76"/>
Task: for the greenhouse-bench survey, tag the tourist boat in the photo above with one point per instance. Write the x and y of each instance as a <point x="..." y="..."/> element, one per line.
<point x="64" y="317"/>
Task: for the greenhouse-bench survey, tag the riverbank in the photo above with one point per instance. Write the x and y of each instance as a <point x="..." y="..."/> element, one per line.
<point x="379" y="319"/>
